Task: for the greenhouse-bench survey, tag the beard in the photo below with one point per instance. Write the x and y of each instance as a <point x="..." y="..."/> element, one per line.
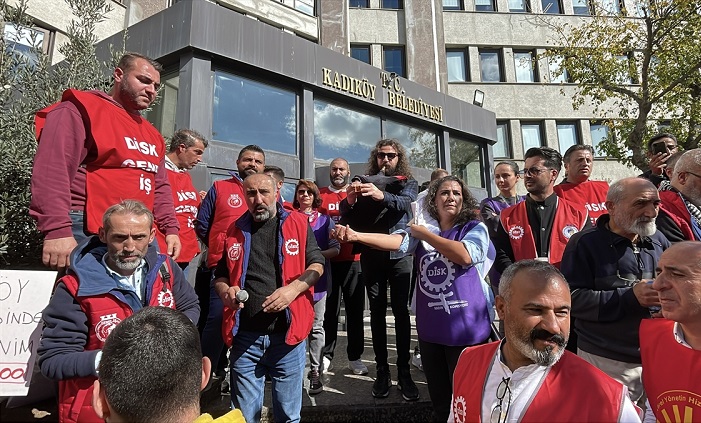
<point x="389" y="170"/>
<point x="261" y="214"/>
<point x="340" y="181"/>
<point x="127" y="265"/>
<point x="641" y="226"/>
<point x="545" y="357"/>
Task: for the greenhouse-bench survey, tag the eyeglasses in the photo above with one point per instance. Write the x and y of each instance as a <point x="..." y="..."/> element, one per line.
<point x="533" y="171"/>
<point x="305" y="191"/>
<point x="499" y="412"/>
<point x="390" y="156"/>
<point x="692" y="173"/>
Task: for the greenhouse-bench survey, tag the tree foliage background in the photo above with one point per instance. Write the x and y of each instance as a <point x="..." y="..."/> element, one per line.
<point x="637" y="73"/>
<point x="29" y="83"/>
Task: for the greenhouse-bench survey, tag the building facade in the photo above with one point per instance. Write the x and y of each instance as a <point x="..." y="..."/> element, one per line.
<point x="476" y="51"/>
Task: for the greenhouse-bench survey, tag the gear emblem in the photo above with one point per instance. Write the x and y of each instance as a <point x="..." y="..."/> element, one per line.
<point x="459" y="409"/>
<point x="437" y="273"/>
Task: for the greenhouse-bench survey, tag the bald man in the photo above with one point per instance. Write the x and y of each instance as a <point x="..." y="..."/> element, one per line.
<point x="671" y="347"/>
<point x="680" y="210"/>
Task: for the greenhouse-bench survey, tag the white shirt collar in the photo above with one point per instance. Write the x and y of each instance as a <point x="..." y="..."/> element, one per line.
<point x="679" y="335"/>
<point x="172" y="166"/>
<point x="333" y="189"/>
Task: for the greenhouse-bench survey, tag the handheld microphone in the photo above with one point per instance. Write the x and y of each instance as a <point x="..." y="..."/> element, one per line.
<point x="242" y="296"/>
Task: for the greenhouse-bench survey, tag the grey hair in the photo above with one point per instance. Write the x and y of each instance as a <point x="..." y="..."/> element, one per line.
<point x="689" y="161"/>
<point x="133" y="207"/>
<point x="543" y="269"/>
<point x="186" y="137"/>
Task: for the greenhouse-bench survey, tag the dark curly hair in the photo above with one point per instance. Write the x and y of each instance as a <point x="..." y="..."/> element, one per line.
<point x="469" y="204"/>
<point x="402" y="168"/>
<point x="313" y="188"/>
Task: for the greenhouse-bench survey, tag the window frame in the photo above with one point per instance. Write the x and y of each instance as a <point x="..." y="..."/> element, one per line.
<point x="560" y="7"/>
<point x="594" y="145"/>
<point x="541" y="133"/>
<point x="526" y="7"/>
<point x="492" y="4"/>
<point x="465" y="63"/>
<point x="460" y="6"/>
<point x="566" y="75"/>
<point x="534" y="68"/>
<point x="588" y="8"/>
<point x="362" y="46"/>
<point x="500" y="58"/>
<point x="508" y="147"/>
<point x="400" y="5"/>
<point x="358" y="6"/>
<point x="386" y="48"/>
<point x="577" y="134"/>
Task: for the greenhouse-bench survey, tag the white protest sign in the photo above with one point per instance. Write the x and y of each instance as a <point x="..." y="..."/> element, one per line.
<point x="23" y="296"/>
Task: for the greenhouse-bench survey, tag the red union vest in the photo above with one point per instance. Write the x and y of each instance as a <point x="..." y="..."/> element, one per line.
<point x="569" y="219"/>
<point x="103" y="313"/>
<point x="675" y="208"/>
<point x="590" y="194"/>
<point x="330" y="205"/>
<point x="598" y="397"/>
<point x="186" y="201"/>
<point x="128" y="151"/>
<point x="671" y="373"/>
<point x="293" y="246"/>
<point x="230" y="204"/>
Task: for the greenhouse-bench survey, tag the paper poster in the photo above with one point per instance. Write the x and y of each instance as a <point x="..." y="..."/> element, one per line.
<point x="23" y="296"/>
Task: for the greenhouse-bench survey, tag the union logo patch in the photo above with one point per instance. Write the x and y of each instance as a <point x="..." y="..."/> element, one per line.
<point x="165" y="299"/>
<point x="569" y="230"/>
<point x="234" y="251"/>
<point x="104" y="327"/>
<point x="235" y="201"/>
<point x="516" y="232"/>
<point x="292" y="247"/>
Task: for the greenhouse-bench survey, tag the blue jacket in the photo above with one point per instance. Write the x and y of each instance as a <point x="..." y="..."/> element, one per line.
<point x="601" y="268"/>
<point x="61" y="353"/>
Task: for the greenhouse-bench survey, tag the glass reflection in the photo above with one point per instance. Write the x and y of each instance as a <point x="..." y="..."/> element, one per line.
<point x="340" y="132"/>
<point x="466" y="162"/>
<point x="162" y="113"/>
<point x="420" y="145"/>
<point x="248" y="112"/>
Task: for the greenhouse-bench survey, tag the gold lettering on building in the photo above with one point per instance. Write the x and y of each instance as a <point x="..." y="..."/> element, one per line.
<point x="397" y="99"/>
<point x="348" y="84"/>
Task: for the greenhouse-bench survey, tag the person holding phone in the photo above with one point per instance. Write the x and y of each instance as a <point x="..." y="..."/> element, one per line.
<point x="659" y="149"/>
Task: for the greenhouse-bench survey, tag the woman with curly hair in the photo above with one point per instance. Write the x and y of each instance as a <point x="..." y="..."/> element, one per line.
<point x="453" y="301"/>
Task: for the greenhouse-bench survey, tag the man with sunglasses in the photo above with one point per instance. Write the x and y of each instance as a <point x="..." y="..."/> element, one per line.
<point x="680" y="210"/>
<point x="528" y="376"/>
<point x="539" y="227"/>
<point x="381" y="269"/>
<point x="609" y="268"/>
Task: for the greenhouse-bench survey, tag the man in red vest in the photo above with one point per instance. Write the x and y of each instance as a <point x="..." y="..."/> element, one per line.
<point x="529" y="376"/>
<point x="680" y="211"/>
<point x="577" y="188"/>
<point x="111" y="276"/>
<point x="186" y="150"/>
<point x="671" y="347"/>
<point x="345" y="279"/>
<point x="272" y="255"/>
<point x="540" y="226"/>
<point x="96" y="149"/>
<point x="224" y="203"/>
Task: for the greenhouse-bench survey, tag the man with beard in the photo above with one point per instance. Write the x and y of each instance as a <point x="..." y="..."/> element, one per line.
<point x="345" y="278"/>
<point x="272" y="254"/>
<point x="539" y="227"/>
<point x="186" y="149"/>
<point x="223" y="204"/>
<point x="680" y="210"/>
<point x="608" y="268"/>
<point x="528" y="376"/>
<point x="381" y="269"/>
<point x="577" y="188"/>
<point x="89" y="141"/>
<point x="111" y="276"/>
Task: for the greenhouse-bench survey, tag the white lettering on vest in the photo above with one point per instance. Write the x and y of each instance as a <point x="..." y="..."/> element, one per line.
<point x="141" y="146"/>
<point x="595" y="206"/>
<point x="333" y="206"/>
<point x="141" y="164"/>
<point x="187" y="195"/>
<point x="145" y="184"/>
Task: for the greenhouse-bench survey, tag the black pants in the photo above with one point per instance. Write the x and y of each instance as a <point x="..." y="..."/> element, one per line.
<point x="379" y="273"/>
<point x="345" y="280"/>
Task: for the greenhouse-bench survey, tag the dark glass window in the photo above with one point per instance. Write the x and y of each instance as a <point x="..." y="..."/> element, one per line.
<point x="361" y="53"/>
<point x="552" y="7"/>
<point x="394" y="60"/>
<point x="392" y="4"/>
<point x="421" y="145"/>
<point x="485" y="6"/>
<point x="491" y="65"/>
<point x="466" y="162"/>
<point x="250" y="112"/>
<point x="359" y="3"/>
<point x="503" y="146"/>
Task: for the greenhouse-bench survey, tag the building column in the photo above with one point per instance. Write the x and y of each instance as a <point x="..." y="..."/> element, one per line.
<point x="333" y="29"/>
<point x="425" y="43"/>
